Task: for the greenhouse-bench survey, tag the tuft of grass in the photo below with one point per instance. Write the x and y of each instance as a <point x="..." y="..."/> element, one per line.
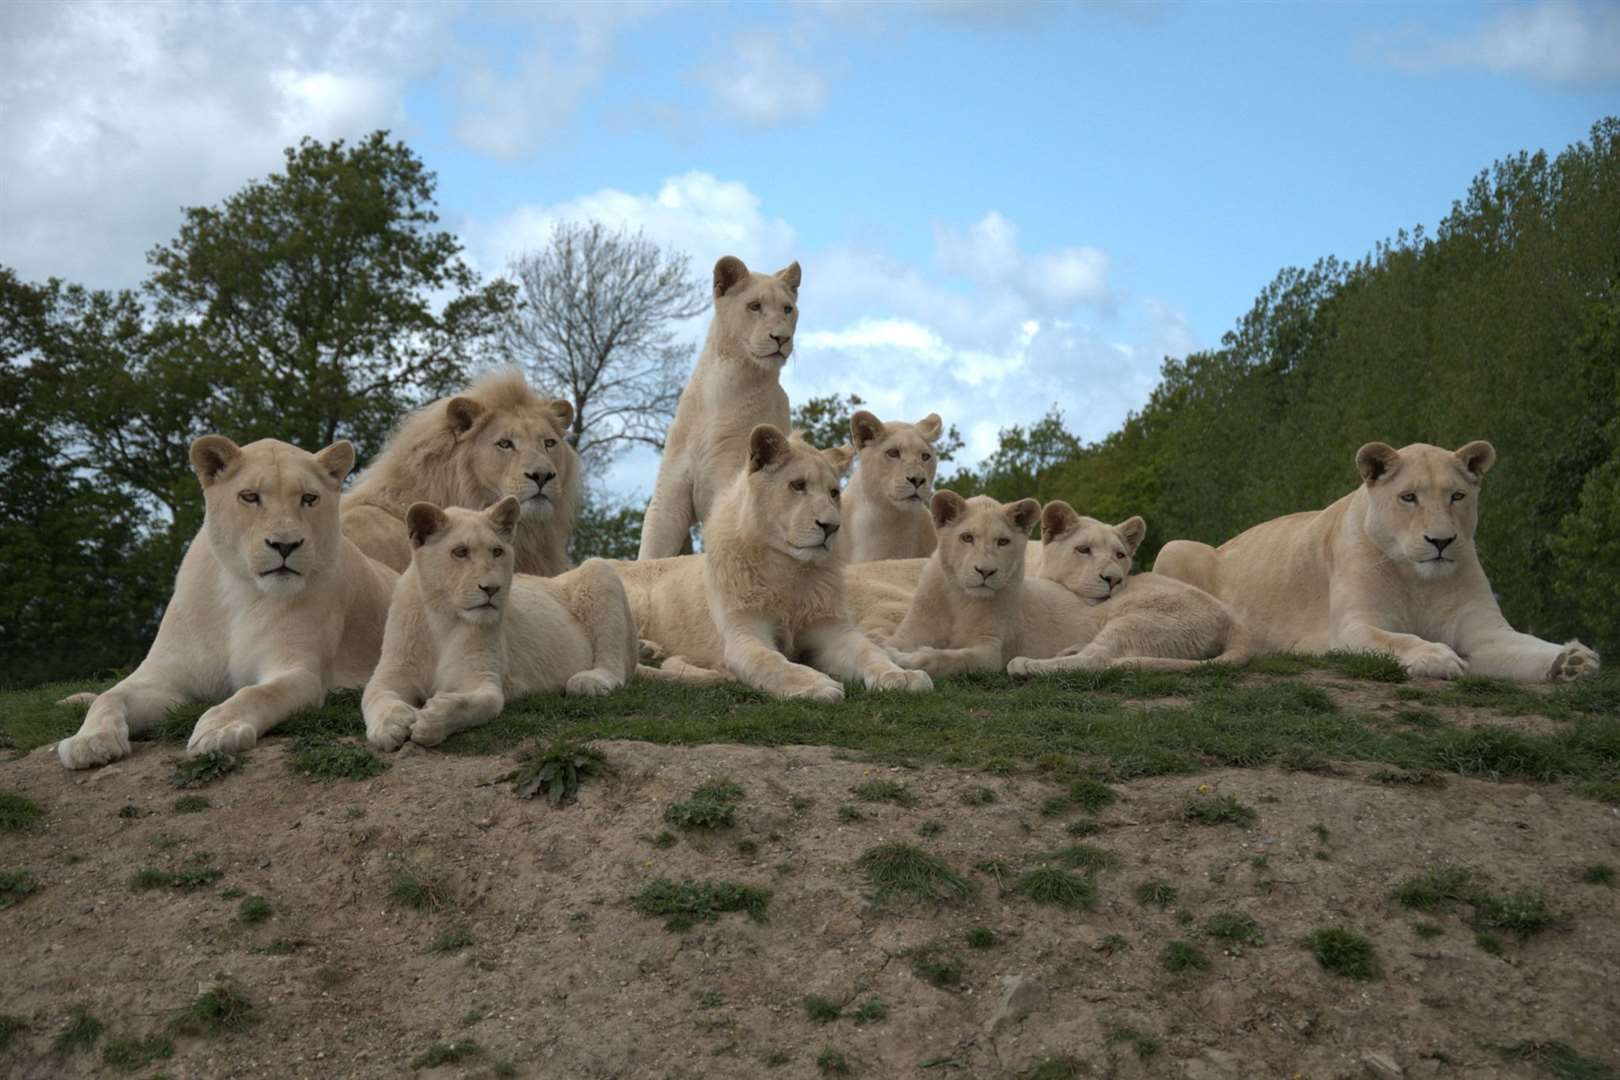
<point x="1051" y="885"/>
<point x="978" y="937"/>
<point x="687" y="903"/>
<point x="419" y="892"/>
<point x="79" y="1033"/>
<point x="10" y="1028"/>
<point x="710" y="806"/>
<point x="15" y="887"/>
<point x="1217" y="810"/>
<point x="191" y="804"/>
<point x="935" y="963"/>
<point x="555" y="769"/>
<point x="1113" y="943"/>
<point x="452" y="939"/>
<point x="194" y="873"/>
<point x="978" y="796"/>
<point x="1557" y="1059"/>
<point x="1525" y="913"/>
<point x="871" y="1011"/>
<point x="325" y="760"/>
<point x="1373" y="666"/>
<point x="130" y="810"/>
<point x="891" y="791"/>
<point x="446" y="1054"/>
<point x="831" y="1062"/>
<point x="203" y="769"/>
<point x="1427" y="929"/>
<point x="1182" y="956"/>
<point x="1597" y="874"/>
<point x="898" y="869"/>
<point x="18" y="812"/>
<point x="1082" y="828"/>
<point x="1057" y="1068"/>
<point x="1083" y="857"/>
<point x="1091" y="795"/>
<point x="1234" y="929"/>
<point x="1488" y="943"/>
<point x="1413" y="777"/>
<point x="930" y="828"/>
<point x="254" y="909"/>
<point x="1145" y="1045"/>
<point x="279" y="947"/>
<point x="132" y="1054"/>
<point x="849" y="815"/>
<point x="1054" y="805"/>
<point x="1343" y="952"/>
<point x="1157" y="892"/>
<point x="747" y="848"/>
<point x="1435" y="889"/>
<point x="822" y="1010"/>
<point x="664" y="839"/>
<point x="212" y="1012"/>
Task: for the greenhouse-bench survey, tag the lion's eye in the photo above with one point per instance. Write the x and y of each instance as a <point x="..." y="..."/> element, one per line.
<point x="893" y="453"/>
<point x="310" y="499"/>
<point x="249" y="497"/>
<point x="459" y="551"/>
<point x="1083" y="550"/>
<point x="798" y="485"/>
<point x="1457" y="496"/>
<point x="498" y="552"/>
<point x="1409" y="497"/>
<point x="835" y="495"/>
<point x="504" y="444"/>
<point x="550" y="443"/>
<point x="1119" y="554"/>
<point x="756" y="306"/>
<point x="928" y="457"/>
<point x="787" y="309"/>
<point x="1002" y="541"/>
<point x="967" y="538"/>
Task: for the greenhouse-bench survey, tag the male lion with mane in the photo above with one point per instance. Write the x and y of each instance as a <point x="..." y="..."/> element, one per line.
<point x="498" y="438"/>
<point x="272" y="607"/>
<point x="1389" y="568"/>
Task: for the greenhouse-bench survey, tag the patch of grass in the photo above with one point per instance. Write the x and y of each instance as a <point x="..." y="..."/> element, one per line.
<point x="1051" y="885"/>
<point x="446" y="1054"/>
<point x="1082" y="828"/>
<point x="1373" y="666"/>
<point x="775" y="1059"/>
<point x="1157" y="893"/>
<point x="891" y="791"/>
<point x="1427" y="929"/>
<point x="1092" y="796"/>
<point x="1054" y="805"/>
<point x="452" y="939"/>
<point x="898" y="869"/>
<point x="930" y="828"/>
<point x="231" y="892"/>
<point x="1113" y="943"/>
<point x="325" y="761"/>
<point x="871" y="1011"/>
<point x="1145" y="1045"/>
<point x="1234" y="929"/>
<point x="254" y="909"/>
<point x="555" y="769"/>
<point x="689" y="902"/>
<point x="849" y="815"/>
<point x="1343" y="952"/>
<point x="1083" y="857"/>
<point x="1056" y="1068"/>
<point x="1179" y="956"/>
<point x="1602" y="790"/>
<point x="191" y="804"/>
<point x="132" y="1054"/>
<point x="130" y="810"/>
<point x="1420" y="718"/>
<point x="822" y="1010"/>
<point x="15" y="887"/>
<point x="1435" y="889"/>
<point x="420" y="892"/>
<point x="10" y="1028"/>
<point x="832" y="1062"/>
<point x="747" y="848"/>
<point x="935" y="963"/>
<point x="279" y="947"/>
<point x="978" y="796"/>
<point x="1597" y="874"/>
<point x="665" y="839"/>
<point x="1557" y="1059"/>
<point x="194" y="873"/>
<point x="471" y="1017"/>
<point x="1525" y="913"/>
<point x="79" y="1033"/>
<point x="215" y="1011"/>
<point x="1217" y="810"/>
<point x="1413" y="777"/>
<point x="203" y="769"/>
<point x="1488" y="943"/>
<point x="979" y="937"/>
<point x="711" y="806"/>
<point x="18" y="812"/>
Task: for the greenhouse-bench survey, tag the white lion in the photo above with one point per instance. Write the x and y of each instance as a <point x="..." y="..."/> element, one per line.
<point x="466" y="633"/>
<point x="886" y="505"/>
<point x="766" y="599"/>
<point x="498" y="438"/>
<point x="1390" y="568"/>
<point x="272" y="607"/>
<point x="735" y="385"/>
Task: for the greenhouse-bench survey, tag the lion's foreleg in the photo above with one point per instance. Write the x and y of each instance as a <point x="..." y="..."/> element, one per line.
<point x="388" y="715"/>
<point x="1509" y="654"/>
<point x="134" y="704"/>
<point x="752" y="657"/>
<point x="595" y="596"/>
<point x="448" y="712"/>
<point x="1420" y="658"/>
<point x="667" y="525"/>
<point x="842" y="651"/>
<point x="238" y="722"/>
<point x="941" y="663"/>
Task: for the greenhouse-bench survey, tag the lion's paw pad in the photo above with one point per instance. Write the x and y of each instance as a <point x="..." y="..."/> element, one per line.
<point x="1575" y="662"/>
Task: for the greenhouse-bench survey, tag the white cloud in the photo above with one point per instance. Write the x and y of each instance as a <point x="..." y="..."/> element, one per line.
<point x="989" y="253"/>
<point x="1556" y="41"/>
<point x="760" y="78"/>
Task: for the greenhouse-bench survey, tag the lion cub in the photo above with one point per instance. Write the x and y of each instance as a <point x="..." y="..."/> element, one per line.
<point x="886" y="506"/>
<point x="465" y="632"/>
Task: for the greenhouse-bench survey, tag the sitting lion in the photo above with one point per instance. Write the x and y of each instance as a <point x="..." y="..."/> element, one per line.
<point x="735" y="385"/>
<point x="766" y="601"/>
<point x="466" y="632"/>
<point x="886" y="506"/>
<point x="498" y="438"/>
<point x="1390" y="568"/>
<point x="272" y="607"/>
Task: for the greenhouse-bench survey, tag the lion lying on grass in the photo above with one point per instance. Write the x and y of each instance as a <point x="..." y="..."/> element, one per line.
<point x="272" y="607"/>
<point x="1390" y="568"/>
<point x="466" y="632"/>
<point x="766" y="599"/>
<point x="498" y="438"/>
<point x="886" y="505"/>
<point x="735" y="385"/>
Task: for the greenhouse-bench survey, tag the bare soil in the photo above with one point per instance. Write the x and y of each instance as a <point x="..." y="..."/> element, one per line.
<point x="565" y="979"/>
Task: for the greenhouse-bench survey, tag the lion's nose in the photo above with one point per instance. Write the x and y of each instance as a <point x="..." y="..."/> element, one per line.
<point x="541" y="479"/>
<point x="781" y="339"/>
<point x="1440" y="543"/>
<point x="285" y="549"/>
<point x="1112" y="578"/>
<point x="490" y="590"/>
<point x="917" y="481"/>
<point x="986" y="574"/>
<point x="828" y="527"/>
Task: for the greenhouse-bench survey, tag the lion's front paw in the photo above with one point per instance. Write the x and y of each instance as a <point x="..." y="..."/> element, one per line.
<point x="1022" y="667"/>
<point x="915" y="682"/>
<point x="1576" y="661"/>
<point x="1432" y="660"/>
<point x="429" y="728"/>
<point x="86" y="699"/>
<point x="650" y="652"/>
<point x="825" y="690"/>
<point x="593" y="682"/>
<point x="389" y="731"/>
<point x="217" y="730"/>
<point x="90" y="748"/>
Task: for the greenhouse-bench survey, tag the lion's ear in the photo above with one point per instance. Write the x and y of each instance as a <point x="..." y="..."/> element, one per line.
<point x="839" y="457"/>
<point x="503" y="516"/>
<point x="212" y="456"/>
<point x="562" y="411"/>
<point x="930" y="426"/>
<point x="1023" y="514"/>
<point x="1133" y="531"/>
<point x="463" y="413"/>
<point x="1056" y="519"/>
<point x="424" y="519"/>
<point x="865" y="429"/>
<point x="337" y="460"/>
<point x="946" y="506"/>
<point x="766" y="447"/>
<point x="1375" y="461"/>
<point x="727" y="272"/>
<point x="1477" y="457"/>
<point x="790" y="275"/>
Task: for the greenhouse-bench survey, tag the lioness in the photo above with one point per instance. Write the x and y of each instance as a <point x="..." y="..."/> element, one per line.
<point x="886" y="506"/>
<point x="497" y="438"/>
<point x="1391" y="568"/>
<point x="768" y="590"/>
<point x="272" y="607"/>
<point x="735" y="385"/>
<point x="466" y="632"/>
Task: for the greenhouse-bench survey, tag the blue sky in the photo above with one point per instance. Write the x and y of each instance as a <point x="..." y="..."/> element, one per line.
<point x="998" y="207"/>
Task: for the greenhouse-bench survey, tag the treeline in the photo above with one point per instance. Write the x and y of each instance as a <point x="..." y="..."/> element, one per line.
<point x="1504" y="325"/>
